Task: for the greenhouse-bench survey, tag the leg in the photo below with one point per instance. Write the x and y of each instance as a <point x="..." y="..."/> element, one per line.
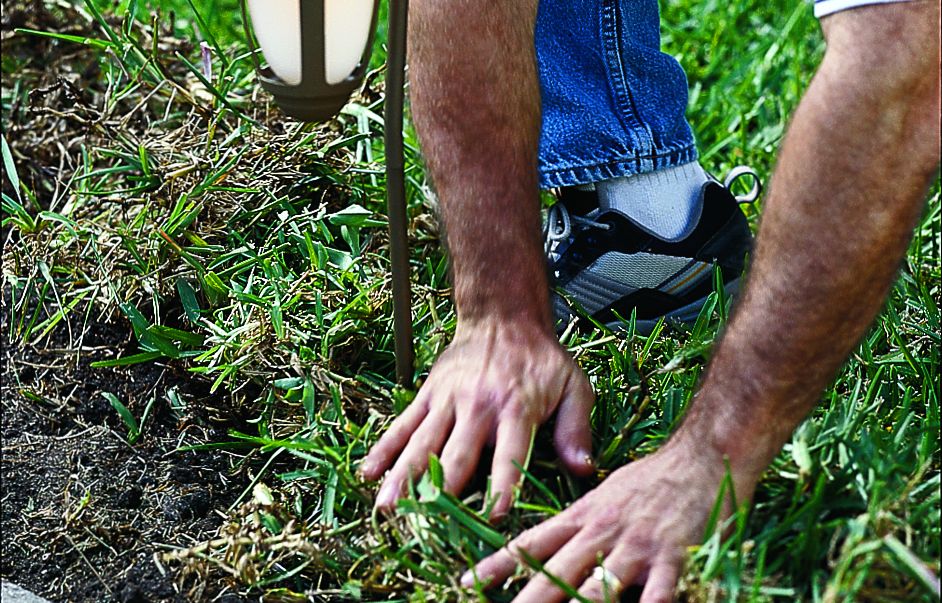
<point x="613" y="117"/>
<point x="613" y="103"/>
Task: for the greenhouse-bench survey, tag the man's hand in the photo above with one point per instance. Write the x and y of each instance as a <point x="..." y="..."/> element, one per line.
<point x="636" y="525"/>
<point x="495" y="384"/>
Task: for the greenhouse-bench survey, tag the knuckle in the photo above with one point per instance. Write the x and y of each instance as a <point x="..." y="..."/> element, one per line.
<point x="423" y="440"/>
<point x="672" y="557"/>
<point x="478" y="406"/>
<point x="456" y="458"/>
<point x="419" y="445"/>
<point x="641" y="542"/>
<point x="398" y="429"/>
<point x="407" y="469"/>
<point x="517" y="551"/>
<point x="582" y="506"/>
<point x="541" y="584"/>
<point x="606" y="515"/>
<point x="601" y="531"/>
<point x="573" y="521"/>
<point x="515" y="409"/>
<point x="454" y="480"/>
<point x="523" y="543"/>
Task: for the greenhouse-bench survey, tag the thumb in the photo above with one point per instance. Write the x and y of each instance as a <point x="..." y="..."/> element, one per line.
<point x="573" y="438"/>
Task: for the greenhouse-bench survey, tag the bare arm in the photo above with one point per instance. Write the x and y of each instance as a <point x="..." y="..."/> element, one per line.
<point x="850" y="183"/>
<point x="849" y="187"/>
<point x="476" y="101"/>
<point x="476" y="105"/>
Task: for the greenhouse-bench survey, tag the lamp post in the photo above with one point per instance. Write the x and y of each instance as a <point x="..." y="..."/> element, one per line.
<point x="317" y="53"/>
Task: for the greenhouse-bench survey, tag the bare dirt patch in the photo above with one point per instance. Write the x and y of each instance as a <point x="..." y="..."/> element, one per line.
<point x="84" y="514"/>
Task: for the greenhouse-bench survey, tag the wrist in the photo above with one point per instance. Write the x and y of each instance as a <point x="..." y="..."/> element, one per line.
<point x="507" y="280"/>
<point x="711" y="463"/>
<point x="746" y="442"/>
<point x="743" y="412"/>
<point x="527" y="309"/>
<point x="518" y="328"/>
<point x="700" y="466"/>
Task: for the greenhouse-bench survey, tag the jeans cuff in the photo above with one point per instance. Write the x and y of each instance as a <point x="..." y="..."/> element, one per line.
<point x="616" y="167"/>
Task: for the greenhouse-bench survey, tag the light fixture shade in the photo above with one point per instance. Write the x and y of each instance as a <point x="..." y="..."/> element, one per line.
<point x="317" y="51"/>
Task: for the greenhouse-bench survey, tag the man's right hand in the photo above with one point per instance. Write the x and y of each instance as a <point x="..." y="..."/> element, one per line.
<point x="634" y="528"/>
<point x="495" y="384"/>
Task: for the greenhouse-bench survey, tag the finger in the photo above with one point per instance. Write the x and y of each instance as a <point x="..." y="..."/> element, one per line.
<point x="427" y="439"/>
<point x="513" y="443"/>
<point x="573" y="436"/>
<point x="625" y="563"/>
<point x="463" y="450"/>
<point x="538" y="542"/>
<point x="662" y="579"/>
<point x="571" y="564"/>
<point x="395" y="439"/>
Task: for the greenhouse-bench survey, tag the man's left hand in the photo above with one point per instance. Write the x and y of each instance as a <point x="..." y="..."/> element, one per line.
<point x="496" y="383"/>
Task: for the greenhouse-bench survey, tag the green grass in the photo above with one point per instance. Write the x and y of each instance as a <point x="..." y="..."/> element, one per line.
<point x="251" y="250"/>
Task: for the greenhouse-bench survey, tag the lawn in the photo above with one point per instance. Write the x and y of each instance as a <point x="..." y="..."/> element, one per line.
<point x="197" y="334"/>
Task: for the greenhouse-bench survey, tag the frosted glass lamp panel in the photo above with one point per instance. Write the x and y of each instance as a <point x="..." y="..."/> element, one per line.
<point x="347" y="24"/>
<point x="277" y="25"/>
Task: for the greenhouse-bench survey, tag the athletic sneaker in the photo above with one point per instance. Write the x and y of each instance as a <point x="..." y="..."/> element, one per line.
<point x="604" y="265"/>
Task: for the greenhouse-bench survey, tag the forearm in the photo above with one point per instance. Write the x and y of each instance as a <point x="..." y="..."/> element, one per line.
<point x="475" y="100"/>
<point x="849" y="186"/>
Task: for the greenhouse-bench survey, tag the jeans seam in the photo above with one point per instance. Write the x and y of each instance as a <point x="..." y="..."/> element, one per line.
<point x="653" y="155"/>
<point x="613" y="168"/>
<point x="618" y="82"/>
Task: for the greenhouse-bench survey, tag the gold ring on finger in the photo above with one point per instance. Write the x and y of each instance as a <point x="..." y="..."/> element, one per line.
<point x="608" y="579"/>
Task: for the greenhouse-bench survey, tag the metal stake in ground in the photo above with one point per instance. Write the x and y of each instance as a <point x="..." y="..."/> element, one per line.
<point x="395" y="190"/>
<point x="290" y="30"/>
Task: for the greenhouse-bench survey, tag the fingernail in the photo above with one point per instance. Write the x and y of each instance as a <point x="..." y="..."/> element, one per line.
<point x="365" y="470"/>
<point x="467" y="579"/>
<point x="386" y="497"/>
<point x="584" y="456"/>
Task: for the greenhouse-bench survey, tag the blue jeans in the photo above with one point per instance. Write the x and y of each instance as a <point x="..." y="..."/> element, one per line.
<point x="613" y="103"/>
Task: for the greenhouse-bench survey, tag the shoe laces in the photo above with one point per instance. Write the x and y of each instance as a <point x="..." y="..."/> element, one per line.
<point x="558" y="228"/>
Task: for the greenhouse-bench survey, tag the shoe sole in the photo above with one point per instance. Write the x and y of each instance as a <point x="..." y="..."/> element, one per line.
<point x="684" y="315"/>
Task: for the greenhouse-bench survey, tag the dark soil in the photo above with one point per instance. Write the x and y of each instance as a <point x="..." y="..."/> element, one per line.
<point x="85" y="515"/>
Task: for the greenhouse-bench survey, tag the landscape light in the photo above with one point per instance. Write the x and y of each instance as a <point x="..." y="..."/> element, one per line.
<point x="317" y="52"/>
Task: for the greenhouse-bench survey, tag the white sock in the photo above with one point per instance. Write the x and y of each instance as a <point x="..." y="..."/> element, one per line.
<point x="666" y="202"/>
